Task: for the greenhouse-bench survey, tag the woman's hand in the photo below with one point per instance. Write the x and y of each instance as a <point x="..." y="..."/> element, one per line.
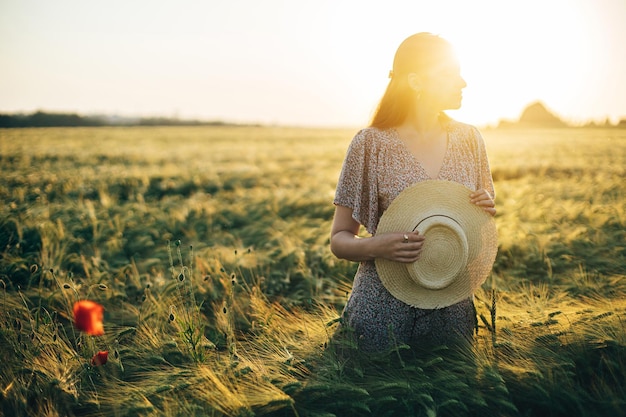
<point x="399" y="247"/>
<point x="345" y="243"/>
<point x="483" y="199"/>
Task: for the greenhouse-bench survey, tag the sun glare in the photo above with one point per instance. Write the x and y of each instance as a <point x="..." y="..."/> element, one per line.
<point x="509" y="63"/>
<point x="319" y="63"/>
<point x="510" y="55"/>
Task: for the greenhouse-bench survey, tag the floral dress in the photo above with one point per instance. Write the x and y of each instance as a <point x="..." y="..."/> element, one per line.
<point x="377" y="167"/>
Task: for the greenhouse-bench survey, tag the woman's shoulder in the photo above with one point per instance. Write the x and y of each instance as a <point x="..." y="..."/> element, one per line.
<point x="465" y="132"/>
<point x="374" y="133"/>
<point x="373" y="136"/>
<point x="461" y="128"/>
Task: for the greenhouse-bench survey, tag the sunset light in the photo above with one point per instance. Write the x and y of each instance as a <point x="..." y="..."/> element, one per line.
<point x="343" y="208"/>
<point x="305" y="63"/>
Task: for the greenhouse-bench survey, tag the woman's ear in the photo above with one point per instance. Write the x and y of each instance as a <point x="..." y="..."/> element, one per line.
<point x="415" y="82"/>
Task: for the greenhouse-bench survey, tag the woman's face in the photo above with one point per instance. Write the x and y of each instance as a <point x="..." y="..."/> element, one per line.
<point x="442" y="86"/>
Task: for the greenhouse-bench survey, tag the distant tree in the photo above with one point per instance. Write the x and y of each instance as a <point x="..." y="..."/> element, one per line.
<point x="8" y="121"/>
<point x="43" y="119"/>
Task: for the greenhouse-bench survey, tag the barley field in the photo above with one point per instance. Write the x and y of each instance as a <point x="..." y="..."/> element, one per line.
<point x="208" y="248"/>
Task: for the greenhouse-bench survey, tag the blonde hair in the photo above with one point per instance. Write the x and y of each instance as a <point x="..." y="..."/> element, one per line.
<point x="417" y="53"/>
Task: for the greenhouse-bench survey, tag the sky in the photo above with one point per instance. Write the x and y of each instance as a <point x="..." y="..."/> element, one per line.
<point x="305" y="63"/>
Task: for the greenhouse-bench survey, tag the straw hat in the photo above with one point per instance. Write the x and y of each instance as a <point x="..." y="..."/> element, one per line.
<point x="459" y="249"/>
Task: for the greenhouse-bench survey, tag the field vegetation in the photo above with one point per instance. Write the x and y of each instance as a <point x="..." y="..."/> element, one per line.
<point x="208" y="248"/>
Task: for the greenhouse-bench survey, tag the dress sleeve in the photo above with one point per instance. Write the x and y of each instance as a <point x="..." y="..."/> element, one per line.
<point x="484" y="172"/>
<point x="357" y="187"/>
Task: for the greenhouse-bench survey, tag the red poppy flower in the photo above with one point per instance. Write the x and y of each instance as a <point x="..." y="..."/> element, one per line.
<point x="88" y="317"/>
<point x="100" y="358"/>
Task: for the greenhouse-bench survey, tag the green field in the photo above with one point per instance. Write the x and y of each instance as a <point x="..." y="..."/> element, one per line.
<point x="208" y="247"/>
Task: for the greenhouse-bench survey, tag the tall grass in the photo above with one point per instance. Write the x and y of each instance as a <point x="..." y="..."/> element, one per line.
<point x="208" y="248"/>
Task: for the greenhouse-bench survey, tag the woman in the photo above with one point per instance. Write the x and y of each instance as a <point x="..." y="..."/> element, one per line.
<point x="409" y="140"/>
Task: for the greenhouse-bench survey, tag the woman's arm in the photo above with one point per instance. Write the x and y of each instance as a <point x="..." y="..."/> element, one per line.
<point x="485" y="194"/>
<point x="345" y="243"/>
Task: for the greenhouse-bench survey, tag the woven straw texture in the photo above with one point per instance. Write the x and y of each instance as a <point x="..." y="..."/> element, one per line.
<point x="460" y="245"/>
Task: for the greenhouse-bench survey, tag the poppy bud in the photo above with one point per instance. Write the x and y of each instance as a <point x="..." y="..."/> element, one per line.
<point x="100" y="358"/>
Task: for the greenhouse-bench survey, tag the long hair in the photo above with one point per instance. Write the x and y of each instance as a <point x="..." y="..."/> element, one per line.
<point x="417" y="53"/>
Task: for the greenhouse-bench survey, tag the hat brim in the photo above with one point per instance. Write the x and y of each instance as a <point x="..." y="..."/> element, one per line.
<point x="449" y="200"/>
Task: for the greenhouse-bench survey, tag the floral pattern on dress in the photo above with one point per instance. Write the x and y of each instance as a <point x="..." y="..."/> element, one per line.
<point x="378" y="166"/>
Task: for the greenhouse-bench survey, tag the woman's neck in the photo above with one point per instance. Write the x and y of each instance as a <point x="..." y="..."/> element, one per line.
<point x="423" y="124"/>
